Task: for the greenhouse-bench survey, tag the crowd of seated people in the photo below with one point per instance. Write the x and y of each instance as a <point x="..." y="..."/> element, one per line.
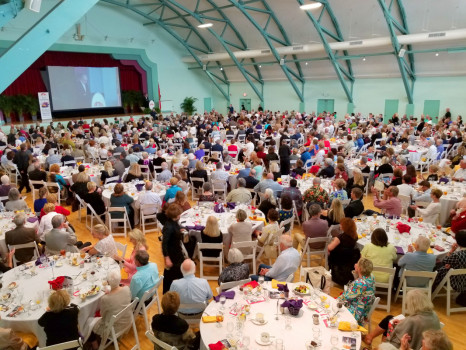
<point x="272" y="147"/>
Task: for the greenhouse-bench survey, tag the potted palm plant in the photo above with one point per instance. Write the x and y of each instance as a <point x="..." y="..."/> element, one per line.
<point x="187" y="105"/>
<point x="32" y="106"/>
<point x="6" y="105"/>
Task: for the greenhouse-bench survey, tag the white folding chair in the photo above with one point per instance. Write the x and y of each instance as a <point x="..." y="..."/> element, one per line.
<point x="228" y="285"/>
<point x="122" y="248"/>
<point x="193" y="320"/>
<point x="429" y="276"/>
<point x="371" y="311"/>
<point x="29" y="245"/>
<point x="82" y="205"/>
<point x="202" y="259"/>
<point x="196" y="191"/>
<point x="321" y="252"/>
<point x="112" y="179"/>
<point x="34" y="189"/>
<point x="145" y="171"/>
<point x="250" y="246"/>
<point x="446" y="284"/>
<point x="142" y="309"/>
<point x="93" y="216"/>
<point x="405" y="202"/>
<point x="64" y="346"/>
<point x="158" y="342"/>
<point x="385" y="285"/>
<point x="116" y="221"/>
<point x="290" y="278"/>
<point x="219" y="188"/>
<point x="286" y="222"/>
<point x="56" y="189"/>
<point x="111" y="337"/>
<point x="149" y="219"/>
<point x="295" y="213"/>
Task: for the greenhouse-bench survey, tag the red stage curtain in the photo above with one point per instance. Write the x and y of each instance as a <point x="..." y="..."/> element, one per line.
<point x="30" y="82"/>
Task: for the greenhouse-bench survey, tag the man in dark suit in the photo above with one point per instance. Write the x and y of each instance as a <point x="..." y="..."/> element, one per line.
<point x="217" y="147"/>
<point x="83" y="94"/>
<point x="37" y="174"/>
<point x="251" y="180"/>
<point x="22" y="235"/>
<point x="157" y="161"/>
<point x="355" y="207"/>
<point x="22" y="162"/>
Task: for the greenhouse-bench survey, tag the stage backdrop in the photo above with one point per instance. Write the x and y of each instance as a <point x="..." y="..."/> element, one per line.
<point x="30" y="82"/>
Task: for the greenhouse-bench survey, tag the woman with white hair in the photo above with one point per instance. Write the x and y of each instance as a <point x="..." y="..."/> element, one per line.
<point x="116" y="298"/>
<point x="14" y="201"/>
<point x="237" y="270"/>
<point x="421" y="317"/>
<point x="268" y="202"/>
<point x="5" y="187"/>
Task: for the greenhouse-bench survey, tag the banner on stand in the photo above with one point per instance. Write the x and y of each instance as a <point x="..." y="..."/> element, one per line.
<point x="44" y="104"/>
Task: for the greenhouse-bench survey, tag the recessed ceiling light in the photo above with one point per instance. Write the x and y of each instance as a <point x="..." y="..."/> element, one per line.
<point x="364" y="58"/>
<point x="221" y="68"/>
<point x="311" y="6"/>
<point x="260" y="66"/>
<point x="306" y="63"/>
<point x="436" y="54"/>
<point x="205" y="25"/>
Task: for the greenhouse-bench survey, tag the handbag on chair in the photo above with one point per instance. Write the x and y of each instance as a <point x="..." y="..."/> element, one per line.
<point x="319" y="277"/>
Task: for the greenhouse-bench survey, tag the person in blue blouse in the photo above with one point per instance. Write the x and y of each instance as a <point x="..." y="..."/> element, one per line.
<point x="360" y="294"/>
<point x="339" y="191"/>
<point x="286" y="210"/>
<point x="171" y="192"/>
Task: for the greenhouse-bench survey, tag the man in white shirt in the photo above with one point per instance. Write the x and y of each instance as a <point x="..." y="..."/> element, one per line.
<point x="405" y="189"/>
<point x="149" y="197"/>
<point x="190" y="288"/>
<point x="165" y="175"/>
<point x="286" y="264"/>
<point x="249" y="148"/>
<point x="219" y="174"/>
<point x="460" y="174"/>
<point x="432" y="152"/>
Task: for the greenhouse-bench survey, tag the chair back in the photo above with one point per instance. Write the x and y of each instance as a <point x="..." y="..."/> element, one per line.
<point x="218" y="259"/>
<point x="429" y="277"/>
<point x="385" y="285"/>
<point x="247" y="246"/>
<point x="64" y="346"/>
<point x="371" y="311"/>
<point x="322" y="252"/>
<point x="158" y="342"/>
<point x="29" y="245"/>
<point x="142" y="308"/>
<point x="122" y="248"/>
<point x="233" y="284"/>
<point x="287" y="222"/>
<point x="128" y="310"/>
<point x="112" y="179"/>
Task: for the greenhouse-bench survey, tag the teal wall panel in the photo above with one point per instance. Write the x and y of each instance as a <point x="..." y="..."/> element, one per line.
<point x="391" y="107"/>
<point x="431" y="108"/>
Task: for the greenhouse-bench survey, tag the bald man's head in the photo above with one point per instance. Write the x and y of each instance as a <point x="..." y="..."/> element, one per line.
<point x="270" y="176"/>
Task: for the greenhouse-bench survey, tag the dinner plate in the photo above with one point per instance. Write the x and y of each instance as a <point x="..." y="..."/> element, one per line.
<point x="259" y="323"/>
<point x="260" y="342"/>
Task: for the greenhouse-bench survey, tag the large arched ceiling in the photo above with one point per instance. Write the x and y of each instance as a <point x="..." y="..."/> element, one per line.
<point x="241" y="26"/>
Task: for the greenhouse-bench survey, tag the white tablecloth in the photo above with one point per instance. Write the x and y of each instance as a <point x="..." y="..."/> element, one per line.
<point x="302" y="326"/>
<point x="454" y="193"/>
<point x="437" y="237"/>
<point x="92" y="170"/>
<point x="29" y="288"/>
<point x="6" y="224"/>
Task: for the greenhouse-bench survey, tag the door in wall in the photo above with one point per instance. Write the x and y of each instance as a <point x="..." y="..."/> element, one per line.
<point x="326" y="105"/>
<point x="432" y="108"/>
<point x="391" y="107"/>
<point x="246" y="102"/>
<point x="207" y="104"/>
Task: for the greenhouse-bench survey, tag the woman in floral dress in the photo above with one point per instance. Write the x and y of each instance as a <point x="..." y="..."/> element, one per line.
<point x="360" y="293"/>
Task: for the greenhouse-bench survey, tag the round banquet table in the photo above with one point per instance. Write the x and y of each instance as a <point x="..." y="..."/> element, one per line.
<point x="92" y="170"/>
<point x="301" y="326"/>
<point x="6" y="224"/>
<point x="438" y="237"/>
<point x="198" y="216"/>
<point x="131" y="190"/>
<point x="454" y="193"/>
<point x="33" y="288"/>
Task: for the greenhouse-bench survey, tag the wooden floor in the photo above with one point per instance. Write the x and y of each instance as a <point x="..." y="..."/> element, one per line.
<point x="454" y="324"/>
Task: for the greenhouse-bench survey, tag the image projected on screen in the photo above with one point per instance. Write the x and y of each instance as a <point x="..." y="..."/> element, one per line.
<point x="84" y="87"/>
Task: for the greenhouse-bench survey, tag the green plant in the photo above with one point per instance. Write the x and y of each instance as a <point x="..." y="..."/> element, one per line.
<point x="32" y="104"/>
<point x="19" y="104"/>
<point x="146" y="110"/>
<point x="6" y="105"/>
<point x="187" y="105"/>
<point x="157" y="110"/>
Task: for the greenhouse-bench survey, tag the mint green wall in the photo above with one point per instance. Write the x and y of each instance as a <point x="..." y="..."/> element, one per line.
<point x="369" y="94"/>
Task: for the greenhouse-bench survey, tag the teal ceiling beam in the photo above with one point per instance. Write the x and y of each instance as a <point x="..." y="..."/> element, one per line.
<point x="336" y="35"/>
<point x="246" y="75"/>
<point x="10" y="10"/>
<point x="181" y="40"/>
<point x="407" y="69"/>
<point x="291" y="76"/>
<point x="32" y="44"/>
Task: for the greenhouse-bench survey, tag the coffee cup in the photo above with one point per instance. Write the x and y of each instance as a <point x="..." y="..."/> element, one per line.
<point x="265" y="337"/>
<point x="260" y="317"/>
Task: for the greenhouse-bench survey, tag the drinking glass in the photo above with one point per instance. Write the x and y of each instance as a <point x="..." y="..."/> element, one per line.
<point x="354" y="327"/>
<point x="279" y="344"/>
<point x="223" y="299"/>
<point x="261" y="280"/>
<point x="219" y="319"/>
<point x="230" y="329"/>
<point x="245" y="341"/>
<point x="334" y="340"/>
<point x="316" y="334"/>
<point x="288" y="322"/>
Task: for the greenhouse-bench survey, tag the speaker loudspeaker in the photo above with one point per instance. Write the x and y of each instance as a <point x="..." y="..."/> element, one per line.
<point x="33" y="5"/>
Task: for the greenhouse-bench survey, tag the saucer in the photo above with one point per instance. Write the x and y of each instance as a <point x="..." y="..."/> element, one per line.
<point x="260" y="342"/>
<point x="259" y="323"/>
